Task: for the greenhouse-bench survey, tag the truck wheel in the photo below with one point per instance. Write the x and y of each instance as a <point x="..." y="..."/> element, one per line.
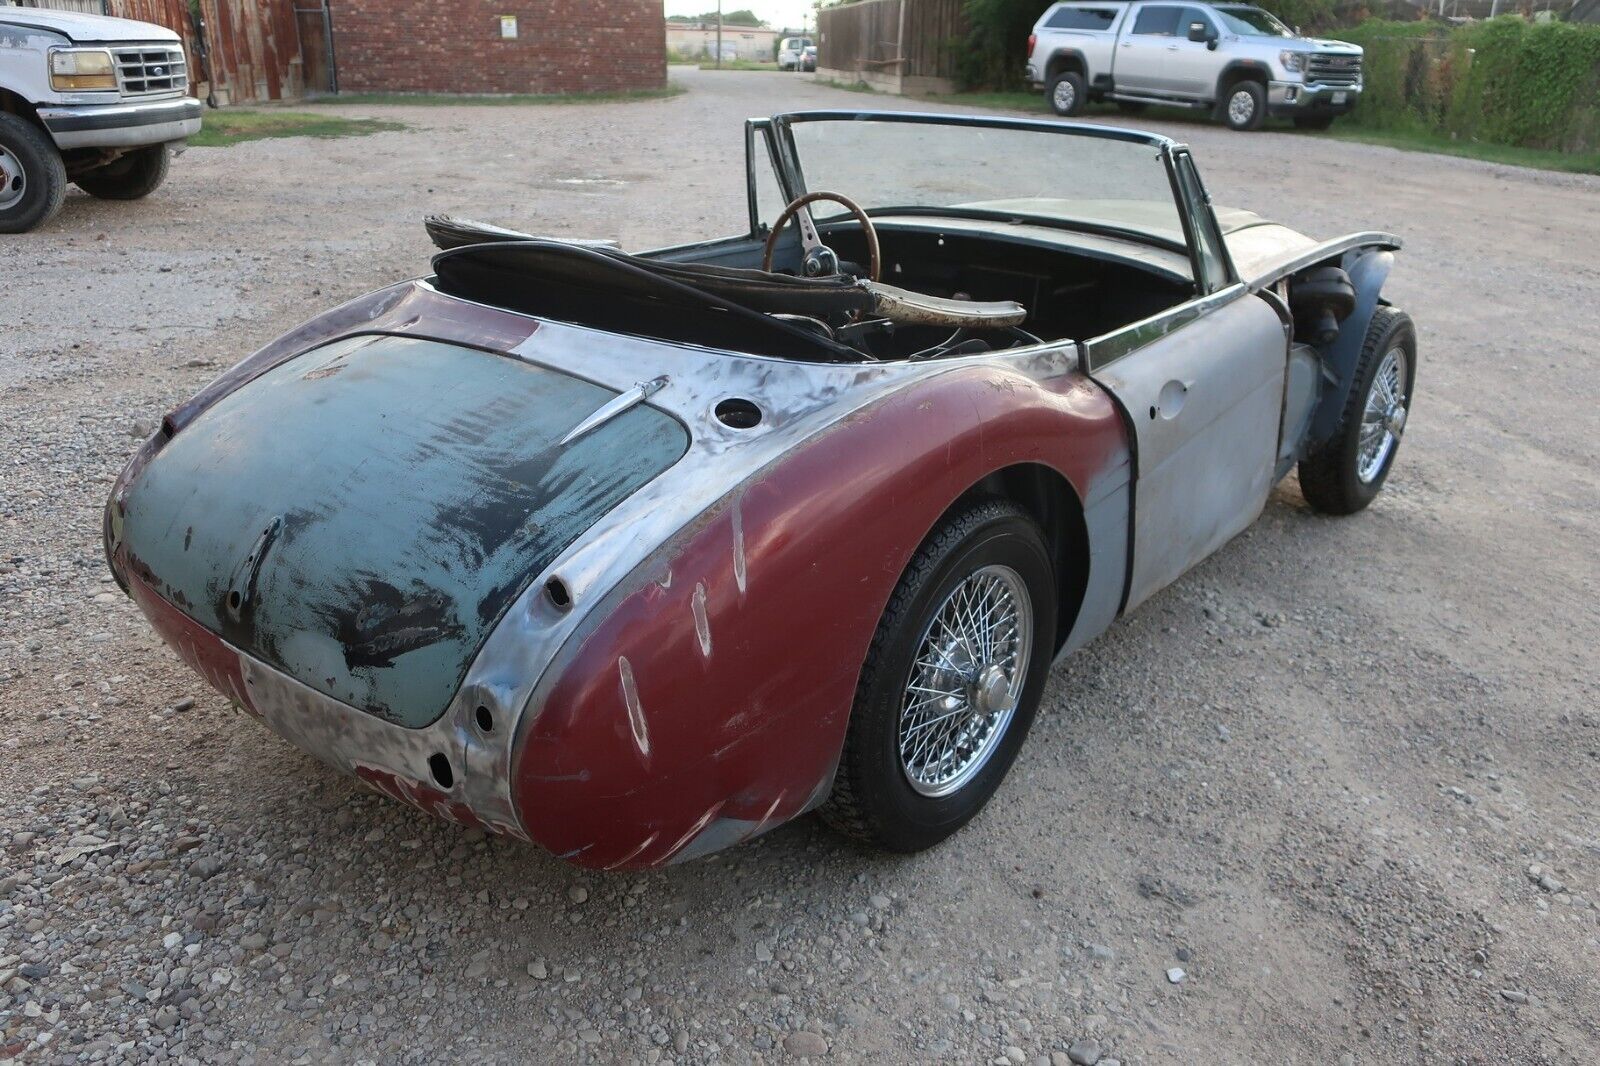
<point x="1347" y="472"/>
<point x="1313" y="122"/>
<point x="950" y="683"/>
<point x="32" y="177"/>
<point x="1067" y="93"/>
<point x="131" y="177"/>
<point x="1244" y="105"/>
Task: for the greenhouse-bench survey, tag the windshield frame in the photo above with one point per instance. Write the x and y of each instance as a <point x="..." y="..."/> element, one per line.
<point x="778" y="132"/>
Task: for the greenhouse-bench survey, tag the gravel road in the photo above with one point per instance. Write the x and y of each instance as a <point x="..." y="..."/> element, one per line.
<point x="1331" y="798"/>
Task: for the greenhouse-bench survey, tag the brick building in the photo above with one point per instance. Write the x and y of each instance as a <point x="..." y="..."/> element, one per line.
<point x="504" y="46"/>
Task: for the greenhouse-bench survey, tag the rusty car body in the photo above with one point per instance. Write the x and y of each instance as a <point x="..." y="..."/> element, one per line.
<point x="636" y="557"/>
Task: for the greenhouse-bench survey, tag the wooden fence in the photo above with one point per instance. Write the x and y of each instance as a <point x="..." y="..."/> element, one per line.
<point x="251" y="47"/>
<point x="901" y="45"/>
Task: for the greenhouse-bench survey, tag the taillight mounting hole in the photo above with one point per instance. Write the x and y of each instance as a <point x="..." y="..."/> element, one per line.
<point x="557" y="592"/>
<point x="439" y="767"/>
<point x="485" y="719"/>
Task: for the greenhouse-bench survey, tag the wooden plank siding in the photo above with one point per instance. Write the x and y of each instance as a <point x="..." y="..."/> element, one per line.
<point x="863" y="39"/>
<point x="254" y="45"/>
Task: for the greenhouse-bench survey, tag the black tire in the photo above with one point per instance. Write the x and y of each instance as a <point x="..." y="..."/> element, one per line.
<point x="1312" y="122"/>
<point x="1131" y="107"/>
<point x="1239" y="117"/>
<point x="32" y="172"/>
<point x="873" y="800"/>
<point x="130" y="177"/>
<point x="1330" y="476"/>
<point x="1067" y="93"/>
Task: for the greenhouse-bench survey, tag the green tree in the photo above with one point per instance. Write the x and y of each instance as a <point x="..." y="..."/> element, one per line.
<point x="742" y="17"/>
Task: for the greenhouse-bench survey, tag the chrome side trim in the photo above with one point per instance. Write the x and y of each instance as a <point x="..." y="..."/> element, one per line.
<point x="1100" y="352"/>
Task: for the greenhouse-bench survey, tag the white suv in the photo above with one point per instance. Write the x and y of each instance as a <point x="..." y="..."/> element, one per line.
<point x="791" y="53"/>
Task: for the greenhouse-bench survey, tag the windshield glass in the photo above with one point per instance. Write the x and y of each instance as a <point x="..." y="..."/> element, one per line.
<point x="1252" y="22"/>
<point x="1072" y="179"/>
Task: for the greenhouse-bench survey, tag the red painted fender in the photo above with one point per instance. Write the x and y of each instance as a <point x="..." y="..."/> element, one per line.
<point x="708" y="700"/>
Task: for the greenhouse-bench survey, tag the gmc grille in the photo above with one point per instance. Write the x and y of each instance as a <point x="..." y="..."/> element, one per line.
<point x="1333" y="69"/>
<point x="145" y="70"/>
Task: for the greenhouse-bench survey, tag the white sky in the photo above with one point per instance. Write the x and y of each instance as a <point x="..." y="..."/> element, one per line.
<point x="779" y="14"/>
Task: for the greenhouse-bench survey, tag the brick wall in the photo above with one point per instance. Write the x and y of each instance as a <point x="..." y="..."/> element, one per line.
<point x="454" y="46"/>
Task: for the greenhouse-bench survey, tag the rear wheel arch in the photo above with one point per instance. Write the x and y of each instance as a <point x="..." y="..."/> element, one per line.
<point x="1065" y="61"/>
<point x="1050" y="500"/>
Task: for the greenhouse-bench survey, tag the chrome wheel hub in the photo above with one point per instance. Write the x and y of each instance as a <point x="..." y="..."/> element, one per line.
<point x="964" y="686"/>
<point x="1383" y="418"/>
<point x="1065" y="94"/>
<point x="1241" y="106"/>
<point x="13" y="180"/>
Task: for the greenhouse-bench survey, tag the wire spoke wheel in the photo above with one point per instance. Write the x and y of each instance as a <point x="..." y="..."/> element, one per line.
<point x="1383" y="417"/>
<point x="966" y="680"/>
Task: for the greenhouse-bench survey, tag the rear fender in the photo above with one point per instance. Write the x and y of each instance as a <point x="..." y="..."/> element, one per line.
<point x="1065" y="59"/>
<point x="706" y="699"/>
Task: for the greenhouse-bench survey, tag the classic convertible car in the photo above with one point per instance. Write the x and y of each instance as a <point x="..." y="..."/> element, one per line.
<point x="639" y="556"/>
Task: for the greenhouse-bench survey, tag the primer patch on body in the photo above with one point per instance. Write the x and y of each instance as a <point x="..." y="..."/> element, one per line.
<point x="738" y="546"/>
<point x="630" y="696"/>
<point x="702" y="624"/>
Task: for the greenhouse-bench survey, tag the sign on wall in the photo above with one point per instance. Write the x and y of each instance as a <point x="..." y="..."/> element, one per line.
<point x="508" y="27"/>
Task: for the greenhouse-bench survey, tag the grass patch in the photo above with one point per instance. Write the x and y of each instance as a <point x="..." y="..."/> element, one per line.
<point x="1344" y="129"/>
<point x="863" y="87"/>
<point x="1538" y="158"/>
<point x="516" y="100"/>
<point x="222" y="128"/>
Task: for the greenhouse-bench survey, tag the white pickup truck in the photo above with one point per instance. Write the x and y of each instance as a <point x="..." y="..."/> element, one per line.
<point x="102" y="102"/>
<point x="1235" y="60"/>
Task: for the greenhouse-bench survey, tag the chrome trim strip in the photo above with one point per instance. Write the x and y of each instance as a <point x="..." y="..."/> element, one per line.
<point x="1326" y="250"/>
<point x="624" y="401"/>
<point x="1100" y="352"/>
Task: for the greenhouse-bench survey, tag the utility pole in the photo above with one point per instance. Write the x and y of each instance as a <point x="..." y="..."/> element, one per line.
<point x="719" y="34"/>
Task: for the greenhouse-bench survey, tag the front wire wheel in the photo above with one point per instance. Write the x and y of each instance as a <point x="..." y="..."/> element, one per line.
<point x="1346" y="472"/>
<point x="951" y="682"/>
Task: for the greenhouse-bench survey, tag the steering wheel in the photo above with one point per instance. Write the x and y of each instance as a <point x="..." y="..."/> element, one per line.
<point x="817" y="254"/>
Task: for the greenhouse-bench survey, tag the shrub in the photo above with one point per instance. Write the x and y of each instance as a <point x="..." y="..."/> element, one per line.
<point x="1504" y="81"/>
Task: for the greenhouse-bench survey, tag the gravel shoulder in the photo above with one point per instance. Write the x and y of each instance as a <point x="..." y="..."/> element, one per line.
<point x="1332" y="797"/>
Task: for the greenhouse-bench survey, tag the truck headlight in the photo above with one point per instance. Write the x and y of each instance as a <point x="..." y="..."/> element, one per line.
<point x="1293" y="62"/>
<point x="81" y="69"/>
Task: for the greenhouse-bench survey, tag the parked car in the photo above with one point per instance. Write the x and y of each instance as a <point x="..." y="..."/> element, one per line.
<point x="808" y="59"/>
<point x="102" y="102"/>
<point x="791" y="52"/>
<point x="1234" y="60"/>
<point x="639" y="556"/>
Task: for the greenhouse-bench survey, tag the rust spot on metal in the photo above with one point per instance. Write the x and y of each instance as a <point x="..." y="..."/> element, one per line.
<point x="385" y="622"/>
